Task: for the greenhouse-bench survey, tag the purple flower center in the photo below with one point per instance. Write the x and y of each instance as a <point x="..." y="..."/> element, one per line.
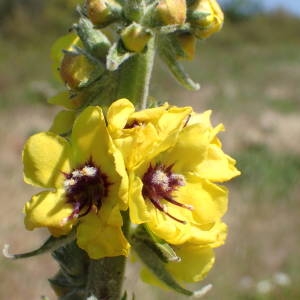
<point x="85" y="188"/>
<point x="159" y="182"/>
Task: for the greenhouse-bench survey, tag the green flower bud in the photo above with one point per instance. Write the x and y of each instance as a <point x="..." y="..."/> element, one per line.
<point x="75" y="69"/>
<point x="172" y="11"/>
<point x="135" y="37"/>
<point x="103" y="12"/>
<point x="206" y="18"/>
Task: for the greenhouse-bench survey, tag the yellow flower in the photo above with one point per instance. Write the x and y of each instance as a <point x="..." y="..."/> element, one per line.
<point x="174" y="160"/>
<point x="143" y="134"/>
<point x="206" y="17"/>
<point x="87" y="185"/>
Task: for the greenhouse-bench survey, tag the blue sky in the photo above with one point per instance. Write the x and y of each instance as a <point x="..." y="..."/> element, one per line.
<point x="290" y="5"/>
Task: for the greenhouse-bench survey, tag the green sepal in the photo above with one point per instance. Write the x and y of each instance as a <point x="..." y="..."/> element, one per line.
<point x="116" y="56"/>
<point x="51" y="244"/>
<point x="93" y="39"/>
<point x="149" y="254"/>
<point x="74" y="295"/>
<point x="62" y="283"/>
<point x="134" y="10"/>
<point x="150" y="18"/>
<point x="98" y="68"/>
<point x="190" y="2"/>
<point x="196" y="16"/>
<point x="66" y="288"/>
<point x="103" y="91"/>
<point x="72" y="260"/>
<point x="167" y="29"/>
<point x="169" y="55"/>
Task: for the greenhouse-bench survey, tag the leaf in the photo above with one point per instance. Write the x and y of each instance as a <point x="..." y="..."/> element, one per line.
<point x="72" y="260"/>
<point x="168" y="55"/>
<point x="50" y="244"/>
<point x="151" y="258"/>
<point x="116" y="56"/>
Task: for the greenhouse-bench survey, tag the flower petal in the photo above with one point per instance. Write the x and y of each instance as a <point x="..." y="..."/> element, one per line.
<point x="45" y="158"/>
<point x="190" y="149"/>
<point x="90" y="140"/>
<point x="209" y="201"/>
<point x="194" y="265"/>
<point x="217" y="166"/>
<point x="211" y="235"/>
<point x="118" y="114"/>
<point x="100" y="239"/>
<point x="48" y="209"/>
<point x="139" y="208"/>
<point x="67" y="101"/>
<point x="63" y="122"/>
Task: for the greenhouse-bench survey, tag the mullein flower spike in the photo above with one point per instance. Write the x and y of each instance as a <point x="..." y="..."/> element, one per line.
<point x="116" y="177"/>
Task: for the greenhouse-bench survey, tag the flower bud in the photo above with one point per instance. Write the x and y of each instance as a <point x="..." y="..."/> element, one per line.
<point x="187" y="43"/>
<point x="172" y="11"/>
<point x="75" y="69"/>
<point x="102" y="12"/>
<point x="135" y="37"/>
<point x="206" y="17"/>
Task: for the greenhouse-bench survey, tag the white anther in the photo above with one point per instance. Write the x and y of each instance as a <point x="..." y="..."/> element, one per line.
<point x="160" y="178"/>
<point x="68" y="183"/>
<point x="89" y="171"/>
<point x="76" y="173"/>
<point x="180" y="180"/>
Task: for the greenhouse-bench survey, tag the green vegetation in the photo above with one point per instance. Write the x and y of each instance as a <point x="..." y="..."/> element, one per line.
<point x="274" y="176"/>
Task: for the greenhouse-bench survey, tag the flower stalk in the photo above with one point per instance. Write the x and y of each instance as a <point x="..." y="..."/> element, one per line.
<point x="135" y="76"/>
<point x="105" y="276"/>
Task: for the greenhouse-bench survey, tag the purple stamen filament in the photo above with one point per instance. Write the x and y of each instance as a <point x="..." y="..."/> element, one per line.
<point x="159" y="182"/>
<point x="85" y="189"/>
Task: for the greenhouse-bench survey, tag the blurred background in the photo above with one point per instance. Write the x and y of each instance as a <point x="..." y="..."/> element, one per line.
<point x="249" y="75"/>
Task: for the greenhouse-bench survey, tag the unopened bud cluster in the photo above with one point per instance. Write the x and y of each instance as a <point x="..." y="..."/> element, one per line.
<point x="110" y="31"/>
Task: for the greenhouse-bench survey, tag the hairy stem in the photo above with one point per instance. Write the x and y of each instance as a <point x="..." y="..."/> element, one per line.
<point x="135" y="76"/>
<point x="106" y="275"/>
